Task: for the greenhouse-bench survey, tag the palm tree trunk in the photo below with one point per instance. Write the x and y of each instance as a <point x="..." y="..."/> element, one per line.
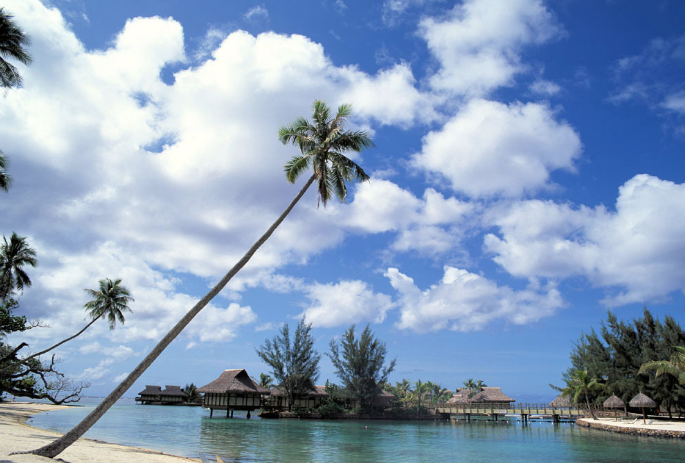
<point x="587" y="400"/>
<point x="62" y="342"/>
<point x="58" y="446"/>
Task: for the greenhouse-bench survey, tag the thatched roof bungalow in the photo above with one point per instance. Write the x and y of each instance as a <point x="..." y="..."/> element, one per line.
<point x="307" y="399"/>
<point x="561" y="401"/>
<point x="492" y="395"/>
<point x="172" y="395"/>
<point x="460" y="397"/>
<point x="151" y="394"/>
<point x="382" y="400"/>
<point x="233" y="390"/>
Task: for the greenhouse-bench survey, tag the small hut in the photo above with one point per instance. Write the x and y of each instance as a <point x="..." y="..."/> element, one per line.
<point x="614" y="402"/>
<point x="172" y="395"/>
<point x="383" y="399"/>
<point x="460" y="397"/>
<point x="306" y="399"/>
<point x="492" y="396"/>
<point x="561" y="401"/>
<point x="151" y="395"/>
<point x="643" y="402"/>
<point x="233" y="390"/>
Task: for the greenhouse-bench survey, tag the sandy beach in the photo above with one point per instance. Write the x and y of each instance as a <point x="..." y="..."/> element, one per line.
<point x="16" y="436"/>
<point x="652" y="428"/>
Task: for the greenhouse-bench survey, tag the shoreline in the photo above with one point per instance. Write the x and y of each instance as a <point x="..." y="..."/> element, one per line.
<point x="16" y="435"/>
<point x="662" y="429"/>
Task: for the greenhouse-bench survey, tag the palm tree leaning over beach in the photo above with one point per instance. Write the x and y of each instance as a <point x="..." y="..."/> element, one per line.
<point x="110" y="301"/>
<point x="322" y="143"/>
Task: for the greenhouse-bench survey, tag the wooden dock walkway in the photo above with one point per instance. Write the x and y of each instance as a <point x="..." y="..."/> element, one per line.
<point x="495" y="411"/>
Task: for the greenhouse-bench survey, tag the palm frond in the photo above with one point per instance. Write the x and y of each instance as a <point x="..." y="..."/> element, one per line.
<point x="295" y="167"/>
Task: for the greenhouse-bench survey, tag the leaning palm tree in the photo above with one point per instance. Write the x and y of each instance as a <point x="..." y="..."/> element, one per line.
<point x="109" y="301"/>
<point x="675" y="366"/>
<point x="5" y="178"/>
<point x="14" y="255"/>
<point x="580" y="384"/>
<point x="12" y="43"/>
<point x="322" y="145"/>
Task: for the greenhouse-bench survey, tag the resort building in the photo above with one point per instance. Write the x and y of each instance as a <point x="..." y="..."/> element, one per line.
<point x="461" y="396"/>
<point x="233" y="390"/>
<point x="492" y="396"/>
<point x="308" y="399"/>
<point x="154" y="395"/>
<point x="151" y="395"/>
<point x="172" y="395"/>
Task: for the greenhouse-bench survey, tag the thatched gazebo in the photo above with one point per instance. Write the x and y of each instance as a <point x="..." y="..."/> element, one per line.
<point x="614" y="402"/>
<point x="643" y="402"/>
<point x="562" y="401"/>
<point x="151" y="395"/>
<point x="233" y="390"/>
<point x="493" y="396"/>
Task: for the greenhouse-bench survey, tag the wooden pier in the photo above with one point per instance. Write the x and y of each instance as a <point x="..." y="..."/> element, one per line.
<point x="496" y="411"/>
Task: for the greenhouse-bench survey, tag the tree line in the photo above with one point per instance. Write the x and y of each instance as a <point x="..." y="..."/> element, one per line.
<point x="626" y="358"/>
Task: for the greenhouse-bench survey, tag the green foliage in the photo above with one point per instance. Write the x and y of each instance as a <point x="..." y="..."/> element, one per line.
<point x="190" y="391"/>
<point x="295" y="365"/>
<point x="266" y="380"/>
<point x="14" y="255"/>
<point x="12" y="44"/>
<point x="322" y="144"/>
<point x="110" y="301"/>
<point x="10" y="323"/>
<point x="360" y="364"/>
<point x="330" y="409"/>
<point x="615" y="358"/>
<point x="5" y="177"/>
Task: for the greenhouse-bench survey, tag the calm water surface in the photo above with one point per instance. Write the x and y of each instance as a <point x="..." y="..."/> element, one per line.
<point x="189" y="430"/>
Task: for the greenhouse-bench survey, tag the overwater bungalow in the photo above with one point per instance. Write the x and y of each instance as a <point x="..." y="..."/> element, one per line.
<point x="151" y="395"/>
<point x="233" y="390"/>
<point x="310" y="398"/>
<point x="492" y="396"/>
<point x="382" y="400"/>
<point x="460" y="397"/>
<point x="172" y="395"/>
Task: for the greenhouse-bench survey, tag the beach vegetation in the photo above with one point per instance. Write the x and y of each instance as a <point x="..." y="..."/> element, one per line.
<point x="109" y="301"/>
<point x="266" y="381"/>
<point x="294" y="363"/>
<point x="360" y="363"/>
<point x="192" y="396"/>
<point x="614" y="356"/>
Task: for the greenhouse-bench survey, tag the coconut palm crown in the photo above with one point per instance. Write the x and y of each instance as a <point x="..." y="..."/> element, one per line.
<point x="323" y="143"/>
<point x="12" y="43"/>
<point x="111" y="300"/>
<point x="14" y="255"/>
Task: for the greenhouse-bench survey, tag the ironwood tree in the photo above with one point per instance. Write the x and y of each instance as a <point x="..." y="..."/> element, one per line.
<point x="360" y="364"/>
<point x="294" y="363"/>
<point x="615" y="356"/>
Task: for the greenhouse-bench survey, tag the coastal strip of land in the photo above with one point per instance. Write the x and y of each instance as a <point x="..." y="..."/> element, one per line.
<point x="17" y="436"/>
<point x="653" y="428"/>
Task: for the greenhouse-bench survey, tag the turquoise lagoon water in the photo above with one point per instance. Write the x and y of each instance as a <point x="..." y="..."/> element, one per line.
<point x="187" y="431"/>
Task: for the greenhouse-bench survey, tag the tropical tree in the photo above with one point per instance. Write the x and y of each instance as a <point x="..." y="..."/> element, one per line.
<point x="420" y="388"/>
<point x="190" y="391"/>
<point x="360" y="364"/>
<point x="479" y="385"/>
<point x="675" y="366"/>
<point x="14" y="255"/>
<point x="109" y="301"/>
<point x="322" y="145"/>
<point x="5" y="178"/>
<point x="295" y="365"/>
<point x="12" y="43"/>
<point x="580" y="384"/>
<point x="403" y="388"/>
<point x="266" y="380"/>
<point x="470" y="384"/>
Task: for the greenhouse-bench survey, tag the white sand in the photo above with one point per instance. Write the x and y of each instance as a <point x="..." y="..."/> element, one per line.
<point x="657" y="425"/>
<point x="17" y="436"/>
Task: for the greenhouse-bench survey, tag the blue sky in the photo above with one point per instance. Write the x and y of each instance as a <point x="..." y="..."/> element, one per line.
<point x="528" y="177"/>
